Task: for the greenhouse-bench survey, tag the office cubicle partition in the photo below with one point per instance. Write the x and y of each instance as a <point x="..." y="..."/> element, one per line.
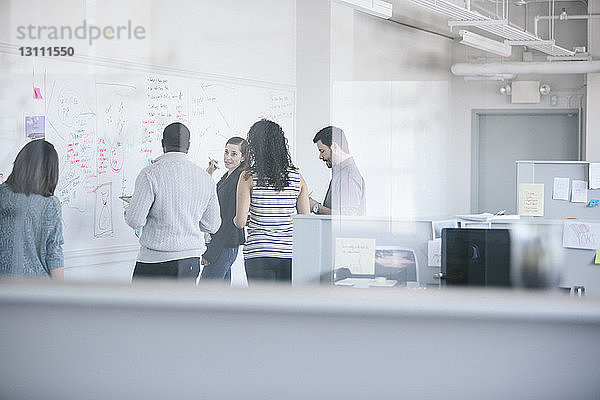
<point x="315" y="236"/>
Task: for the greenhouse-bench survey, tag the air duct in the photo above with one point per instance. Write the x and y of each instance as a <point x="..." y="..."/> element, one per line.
<point x="559" y="67"/>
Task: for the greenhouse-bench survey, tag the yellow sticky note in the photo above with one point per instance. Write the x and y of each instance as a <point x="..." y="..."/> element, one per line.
<point x="531" y="199"/>
<point x="597" y="257"/>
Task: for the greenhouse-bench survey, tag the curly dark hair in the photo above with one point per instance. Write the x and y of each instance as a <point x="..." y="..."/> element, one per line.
<point x="268" y="155"/>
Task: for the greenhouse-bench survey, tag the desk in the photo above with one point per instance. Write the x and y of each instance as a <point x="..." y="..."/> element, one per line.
<point x="314" y="240"/>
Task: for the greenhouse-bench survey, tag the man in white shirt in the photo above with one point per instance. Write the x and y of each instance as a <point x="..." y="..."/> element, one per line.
<point x="346" y="194"/>
<point x="174" y="201"/>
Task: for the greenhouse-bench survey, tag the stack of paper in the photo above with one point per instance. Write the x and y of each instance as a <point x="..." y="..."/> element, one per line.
<point x="487" y="217"/>
<point x="483" y="217"/>
<point x="505" y="217"/>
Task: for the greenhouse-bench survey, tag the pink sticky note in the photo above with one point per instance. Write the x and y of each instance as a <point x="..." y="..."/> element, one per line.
<point x="37" y="93"/>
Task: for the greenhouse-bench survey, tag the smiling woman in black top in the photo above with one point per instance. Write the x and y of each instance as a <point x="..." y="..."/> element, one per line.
<point x="222" y="250"/>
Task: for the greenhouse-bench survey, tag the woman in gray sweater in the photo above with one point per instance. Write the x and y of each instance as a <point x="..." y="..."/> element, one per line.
<point x="30" y="215"/>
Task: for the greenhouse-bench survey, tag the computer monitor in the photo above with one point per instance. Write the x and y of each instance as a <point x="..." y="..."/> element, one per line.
<point x="475" y="257"/>
<point x="395" y="264"/>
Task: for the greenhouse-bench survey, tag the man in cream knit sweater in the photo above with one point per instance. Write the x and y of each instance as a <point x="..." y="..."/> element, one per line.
<point x="174" y="201"/>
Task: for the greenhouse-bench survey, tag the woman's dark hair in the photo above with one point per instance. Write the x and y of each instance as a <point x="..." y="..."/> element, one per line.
<point x="238" y="141"/>
<point x="35" y="169"/>
<point x="268" y="155"/>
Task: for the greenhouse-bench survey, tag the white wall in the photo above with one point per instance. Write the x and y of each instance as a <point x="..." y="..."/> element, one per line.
<point x="390" y="88"/>
<point x="313" y="80"/>
<point x="242" y="39"/>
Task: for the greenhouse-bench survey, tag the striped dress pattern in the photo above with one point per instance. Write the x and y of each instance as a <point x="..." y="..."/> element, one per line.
<point x="270" y="224"/>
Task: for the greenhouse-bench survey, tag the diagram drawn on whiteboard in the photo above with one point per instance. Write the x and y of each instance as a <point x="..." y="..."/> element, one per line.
<point x="103" y="224"/>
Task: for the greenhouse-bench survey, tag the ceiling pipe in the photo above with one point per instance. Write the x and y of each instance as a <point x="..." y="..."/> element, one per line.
<point x="559" y="67"/>
<point x="562" y="17"/>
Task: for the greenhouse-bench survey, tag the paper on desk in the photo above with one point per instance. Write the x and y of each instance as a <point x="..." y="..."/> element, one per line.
<point x="366" y="282"/>
<point x="505" y="217"/>
<point x="531" y="199"/>
<point x="437" y="226"/>
<point x="356" y="254"/>
<point x="579" y="192"/>
<point x="483" y="217"/>
<point x="486" y="218"/>
<point x="581" y="235"/>
<point x="594" y="175"/>
<point x="434" y="253"/>
<point x="561" y="189"/>
<point x="383" y="283"/>
<point x="347" y="282"/>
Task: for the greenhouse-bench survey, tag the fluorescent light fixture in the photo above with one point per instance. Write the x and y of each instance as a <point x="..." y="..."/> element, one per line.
<point x="485" y="43"/>
<point x="378" y="8"/>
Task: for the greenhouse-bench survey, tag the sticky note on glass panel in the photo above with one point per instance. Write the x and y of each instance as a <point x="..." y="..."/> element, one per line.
<point x="37" y="93"/>
<point x="597" y="261"/>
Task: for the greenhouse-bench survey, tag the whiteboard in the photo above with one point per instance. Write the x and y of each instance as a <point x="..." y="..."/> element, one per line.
<point x="106" y="124"/>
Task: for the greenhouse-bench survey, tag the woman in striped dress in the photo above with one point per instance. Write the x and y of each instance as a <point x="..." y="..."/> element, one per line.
<point x="269" y="192"/>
